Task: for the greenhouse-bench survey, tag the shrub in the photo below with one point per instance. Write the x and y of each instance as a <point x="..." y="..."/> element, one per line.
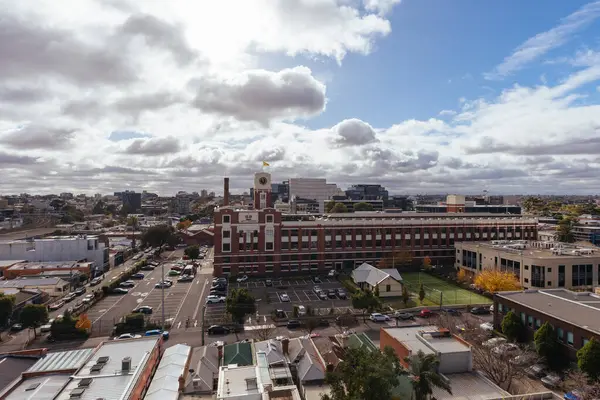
<point x="348" y="283"/>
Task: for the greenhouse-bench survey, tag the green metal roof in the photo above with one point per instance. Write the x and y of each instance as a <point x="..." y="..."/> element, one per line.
<point x="238" y="353"/>
<point x="361" y="340"/>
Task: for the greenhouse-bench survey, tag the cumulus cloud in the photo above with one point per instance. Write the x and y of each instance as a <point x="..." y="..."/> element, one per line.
<point x="352" y="132"/>
<point x="262" y="95"/>
<point x="37" y="137"/>
<point x="154" y="146"/>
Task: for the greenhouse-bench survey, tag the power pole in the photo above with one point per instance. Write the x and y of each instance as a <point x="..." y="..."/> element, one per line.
<point x="203" y="313"/>
<point x="162" y="290"/>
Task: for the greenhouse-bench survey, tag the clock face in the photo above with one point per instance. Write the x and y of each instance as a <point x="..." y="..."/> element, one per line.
<point x="262" y="180"/>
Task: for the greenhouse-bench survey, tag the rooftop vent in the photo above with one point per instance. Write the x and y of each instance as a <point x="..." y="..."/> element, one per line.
<point x="32" y="386"/>
<point x="85" y="382"/>
<point x="76" y="393"/>
<point x="96" y="368"/>
<point x="103" y="360"/>
<point x="126" y="364"/>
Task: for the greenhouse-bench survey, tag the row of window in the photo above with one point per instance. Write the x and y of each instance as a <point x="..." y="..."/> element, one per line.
<point x="565" y="337"/>
<point x="226" y="219"/>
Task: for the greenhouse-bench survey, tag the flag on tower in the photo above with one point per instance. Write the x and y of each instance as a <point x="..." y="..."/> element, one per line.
<point x="266" y="164"/>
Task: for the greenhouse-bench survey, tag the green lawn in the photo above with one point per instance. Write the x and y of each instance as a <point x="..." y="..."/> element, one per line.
<point x="452" y="294"/>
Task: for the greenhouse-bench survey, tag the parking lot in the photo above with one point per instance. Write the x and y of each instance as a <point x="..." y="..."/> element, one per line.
<point x="269" y="298"/>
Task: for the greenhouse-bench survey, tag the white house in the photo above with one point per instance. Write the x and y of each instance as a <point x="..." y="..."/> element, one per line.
<point x="57" y="248"/>
<point x="369" y="277"/>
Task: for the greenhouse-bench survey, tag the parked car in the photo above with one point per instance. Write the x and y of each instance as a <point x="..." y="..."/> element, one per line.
<point x="317" y="289"/>
<point x="480" y="310"/>
<point x="143" y="310"/>
<point x="425" y="313"/>
<point x="284" y="297"/>
<point x="536" y="371"/>
<point x="486" y="326"/>
<point x="163" y="284"/>
<point x="322" y="295"/>
<point x="138" y="275"/>
<point x="551" y="380"/>
<point x="268" y="282"/>
<point x="120" y="290"/>
<point x="301" y="311"/>
<point x="493" y="342"/>
<point x="46" y="328"/>
<point x="220" y="293"/>
<point x="404" y="316"/>
<point x="217" y="330"/>
<point x="87" y="299"/>
<point x="316" y="279"/>
<point x="174" y="272"/>
<point x="157" y="332"/>
<point x="293" y="324"/>
<point x="331" y="293"/>
<point x="185" y="278"/>
<point x="79" y="291"/>
<point x="16" y="327"/>
<point x="56" y="306"/>
<point x="148" y="267"/>
<point x="217" y="280"/>
<point x="69" y="298"/>
<point x="128" y="336"/>
<point x="505" y="349"/>
<point x="127" y="284"/>
<point x="341" y="293"/>
<point x="331" y="273"/>
<point x="242" y="278"/>
<point x="378" y="317"/>
<point x="210" y="299"/>
<point x="96" y="281"/>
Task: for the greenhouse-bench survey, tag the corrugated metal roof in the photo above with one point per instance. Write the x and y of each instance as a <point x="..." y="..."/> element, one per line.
<point x="44" y="387"/>
<point x="238" y="353"/>
<point x="165" y="383"/>
<point x="62" y="360"/>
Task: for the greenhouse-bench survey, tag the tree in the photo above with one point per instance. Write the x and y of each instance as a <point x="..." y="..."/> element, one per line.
<point x="339" y="208"/>
<point x="364" y="375"/>
<point x="495" y="281"/>
<point x="7" y="304"/>
<point x="193" y="252"/>
<point x="365" y="300"/>
<point x="405" y="295"/>
<point x="33" y="315"/>
<point x="362" y="206"/>
<point x="329" y="206"/>
<point x="462" y="276"/>
<point x="240" y="303"/>
<point x="547" y="346"/>
<point x="264" y="332"/>
<point x="157" y="236"/>
<point x="512" y="326"/>
<point x="564" y="229"/>
<point x="580" y="381"/>
<point x="376" y="292"/>
<point x="421" y="293"/>
<point x="310" y="324"/>
<point x="183" y="225"/>
<point x="427" y="263"/>
<point x="588" y="359"/>
<point x="422" y="369"/>
<point x="98" y="207"/>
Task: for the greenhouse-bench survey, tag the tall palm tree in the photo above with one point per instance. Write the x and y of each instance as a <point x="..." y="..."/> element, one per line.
<point x="423" y="371"/>
<point x="133" y="221"/>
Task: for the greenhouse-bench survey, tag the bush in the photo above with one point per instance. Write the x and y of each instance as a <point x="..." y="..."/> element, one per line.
<point x="348" y="283"/>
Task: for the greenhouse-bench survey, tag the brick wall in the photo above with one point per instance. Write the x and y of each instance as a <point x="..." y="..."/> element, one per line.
<point x="386" y="340"/>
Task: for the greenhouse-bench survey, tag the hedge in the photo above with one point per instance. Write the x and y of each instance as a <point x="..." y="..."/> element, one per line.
<point x="125" y="276"/>
<point x="348" y="283"/>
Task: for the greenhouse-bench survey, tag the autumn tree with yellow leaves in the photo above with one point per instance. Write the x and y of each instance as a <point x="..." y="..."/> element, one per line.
<point x="463" y="277"/>
<point x="497" y="281"/>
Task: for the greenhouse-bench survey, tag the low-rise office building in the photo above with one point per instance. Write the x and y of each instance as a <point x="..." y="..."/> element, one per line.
<point x="40" y="268"/>
<point x="575" y="316"/>
<point x="54" y="287"/>
<point x="537" y="264"/>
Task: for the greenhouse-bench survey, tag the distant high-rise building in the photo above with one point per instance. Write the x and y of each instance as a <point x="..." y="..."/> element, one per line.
<point x="367" y="192"/>
<point x="204" y="193"/>
<point x="313" y="189"/>
<point x="182" y="202"/>
<point x="131" y="200"/>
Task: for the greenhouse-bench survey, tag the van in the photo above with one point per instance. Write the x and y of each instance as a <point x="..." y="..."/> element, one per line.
<point x="301" y="311"/>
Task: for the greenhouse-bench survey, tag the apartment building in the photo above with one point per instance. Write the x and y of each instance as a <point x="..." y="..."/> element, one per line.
<point x="312" y="189"/>
<point x="537" y="264"/>
<point x="266" y="241"/>
<point x="575" y="316"/>
<point x="458" y="204"/>
<point x="58" y="248"/>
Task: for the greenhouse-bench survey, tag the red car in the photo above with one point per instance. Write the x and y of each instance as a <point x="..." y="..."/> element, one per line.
<point x="425" y="313"/>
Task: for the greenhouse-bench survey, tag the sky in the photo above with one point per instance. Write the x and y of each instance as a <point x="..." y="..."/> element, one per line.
<point x="421" y="96"/>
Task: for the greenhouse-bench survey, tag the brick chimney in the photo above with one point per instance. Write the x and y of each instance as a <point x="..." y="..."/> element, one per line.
<point x="285" y="346"/>
<point x="225" y="192"/>
<point x="181" y="381"/>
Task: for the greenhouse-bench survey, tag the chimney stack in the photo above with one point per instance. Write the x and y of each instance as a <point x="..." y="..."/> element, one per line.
<point x="285" y="346"/>
<point x="181" y="382"/>
<point x="225" y="192"/>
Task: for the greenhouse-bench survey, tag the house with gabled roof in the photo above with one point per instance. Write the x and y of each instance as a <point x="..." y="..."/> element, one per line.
<point x="368" y="277"/>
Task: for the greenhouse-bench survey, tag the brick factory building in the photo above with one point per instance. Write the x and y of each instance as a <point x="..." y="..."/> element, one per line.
<point x="266" y="241"/>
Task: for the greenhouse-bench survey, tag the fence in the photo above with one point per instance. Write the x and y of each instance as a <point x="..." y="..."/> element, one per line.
<point x="105" y="327"/>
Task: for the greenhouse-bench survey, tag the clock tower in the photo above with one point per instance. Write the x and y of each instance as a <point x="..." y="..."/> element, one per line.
<point x="262" y="190"/>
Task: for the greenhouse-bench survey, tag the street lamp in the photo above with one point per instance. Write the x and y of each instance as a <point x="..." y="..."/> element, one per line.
<point x="162" y="290"/>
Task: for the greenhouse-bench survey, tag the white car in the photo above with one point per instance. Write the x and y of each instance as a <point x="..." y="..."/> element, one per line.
<point x="377" y="317"/>
<point x="284" y="297"/>
<point x="493" y="342"/>
<point x="505" y="349"/>
<point x="215" y="299"/>
<point x="242" y="278"/>
<point x="486" y="326"/>
<point x="129" y="336"/>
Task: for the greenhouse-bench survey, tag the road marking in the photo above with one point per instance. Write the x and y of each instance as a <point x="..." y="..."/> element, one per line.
<point x="255" y="327"/>
<point x="200" y="300"/>
<point x="178" y="324"/>
<point x="195" y="323"/>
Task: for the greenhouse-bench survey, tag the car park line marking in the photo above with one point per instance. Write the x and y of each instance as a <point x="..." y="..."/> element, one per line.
<point x="195" y="323"/>
<point x="181" y="303"/>
<point x="200" y="299"/>
<point x="178" y="324"/>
